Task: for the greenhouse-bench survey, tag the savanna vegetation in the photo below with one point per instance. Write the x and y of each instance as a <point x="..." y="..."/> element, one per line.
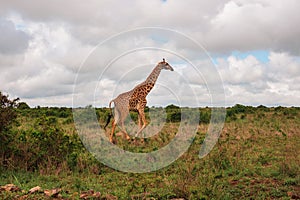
<point x="256" y="157"/>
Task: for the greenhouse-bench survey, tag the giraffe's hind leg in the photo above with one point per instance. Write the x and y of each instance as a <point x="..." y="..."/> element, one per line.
<point x="123" y="129"/>
<point x="114" y="123"/>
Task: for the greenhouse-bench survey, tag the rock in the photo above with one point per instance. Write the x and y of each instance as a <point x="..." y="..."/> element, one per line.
<point x="10" y="188"/>
<point x="96" y="195"/>
<point x="110" y="197"/>
<point x="52" y="193"/>
<point x="178" y="199"/>
<point x="86" y="194"/>
<point x="35" y="189"/>
<point x="89" y="194"/>
<point x="22" y="197"/>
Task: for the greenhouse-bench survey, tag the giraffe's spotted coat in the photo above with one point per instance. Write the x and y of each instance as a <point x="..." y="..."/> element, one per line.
<point x="135" y="100"/>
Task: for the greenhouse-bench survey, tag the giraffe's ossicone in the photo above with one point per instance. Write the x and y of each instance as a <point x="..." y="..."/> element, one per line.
<point x="134" y="100"/>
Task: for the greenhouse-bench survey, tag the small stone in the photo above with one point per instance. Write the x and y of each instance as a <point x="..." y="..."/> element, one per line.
<point x="10" y="188"/>
<point x="89" y="194"/>
<point x="96" y="194"/>
<point x="35" y="189"/>
<point x="110" y="197"/>
<point x="52" y="193"/>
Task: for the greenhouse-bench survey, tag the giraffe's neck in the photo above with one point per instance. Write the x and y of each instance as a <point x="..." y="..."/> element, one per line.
<point x="143" y="89"/>
<point x="151" y="79"/>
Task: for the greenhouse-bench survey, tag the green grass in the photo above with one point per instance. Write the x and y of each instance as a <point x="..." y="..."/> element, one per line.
<point x="256" y="157"/>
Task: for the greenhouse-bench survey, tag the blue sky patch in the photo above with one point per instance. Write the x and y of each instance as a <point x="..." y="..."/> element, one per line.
<point x="261" y="55"/>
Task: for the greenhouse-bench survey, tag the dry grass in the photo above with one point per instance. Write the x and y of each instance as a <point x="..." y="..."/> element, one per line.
<point x="256" y="157"/>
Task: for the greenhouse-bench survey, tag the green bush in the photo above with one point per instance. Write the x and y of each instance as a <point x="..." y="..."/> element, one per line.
<point x="7" y="118"/>
<point x="173" y="113"/>
<point x="7" y="111"/>
<point x="230" y="115"/>
<point x="205" y="116"/>
<point x="45" y="147"/>
<point x="23" y="106"/>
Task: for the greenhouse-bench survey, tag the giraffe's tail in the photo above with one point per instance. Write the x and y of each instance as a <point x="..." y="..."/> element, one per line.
<point x="109" y="115"/>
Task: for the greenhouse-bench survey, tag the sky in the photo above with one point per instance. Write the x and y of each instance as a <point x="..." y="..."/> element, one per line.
<point x="224" y="52"/>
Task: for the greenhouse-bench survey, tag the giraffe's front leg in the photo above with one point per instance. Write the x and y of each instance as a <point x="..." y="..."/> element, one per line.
<point x="143" y="122"/>
<point x="140" y="121"/>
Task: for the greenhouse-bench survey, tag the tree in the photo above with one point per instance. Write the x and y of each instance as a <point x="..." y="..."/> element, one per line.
<point x="173" y="113"/>
<point x="23" y="105"/>
<point x="7" y="111"/>
<point x="7" y="116"/>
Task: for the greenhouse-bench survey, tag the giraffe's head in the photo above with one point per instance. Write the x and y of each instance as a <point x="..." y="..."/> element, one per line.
<point x="165" y="65"/>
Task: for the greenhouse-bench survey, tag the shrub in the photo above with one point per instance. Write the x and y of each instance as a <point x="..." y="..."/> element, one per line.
<point x="7" y="111"/>
<point x="7" y="117"/>
<point x="205" y="116"/>
<point x="173" y="113"/>
<point x="230" y="115"/>
<point x="23" y="106"/>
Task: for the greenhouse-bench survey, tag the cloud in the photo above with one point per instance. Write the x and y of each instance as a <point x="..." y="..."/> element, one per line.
<point x="221" y="26"/>
<point x="284" y="65"/>
<point x="250" y="81"/>
<point x="12" y="41"/>
<point x="239" y="71"/>
<point x="39" y="72"/>
<point x="247" y="25"/>
<point x="42" y="50"/>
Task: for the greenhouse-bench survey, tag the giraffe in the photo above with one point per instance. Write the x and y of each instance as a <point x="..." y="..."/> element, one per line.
<point x="134" y="100"/>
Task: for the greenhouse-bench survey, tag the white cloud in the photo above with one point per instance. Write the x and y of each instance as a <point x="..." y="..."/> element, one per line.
<point x="220" y="25"/>
<point x="284" y="65"/>
<point x="12" y="41"/>
<point x="247" y="25"/>
<point x="239" y="71"/>
<point x="250" y="81"/>
<point x="42" y="49"/>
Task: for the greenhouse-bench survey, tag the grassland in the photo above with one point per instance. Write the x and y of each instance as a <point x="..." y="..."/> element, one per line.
<point x="256" y="157"/>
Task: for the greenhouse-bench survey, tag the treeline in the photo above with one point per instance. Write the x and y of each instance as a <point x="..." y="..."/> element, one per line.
<point x="173" y="112"/>
<point x="45" y="139"/>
